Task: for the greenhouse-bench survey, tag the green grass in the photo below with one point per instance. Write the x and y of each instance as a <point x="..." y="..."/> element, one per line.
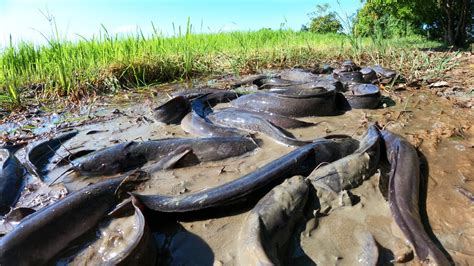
<point x="108" y="63"/>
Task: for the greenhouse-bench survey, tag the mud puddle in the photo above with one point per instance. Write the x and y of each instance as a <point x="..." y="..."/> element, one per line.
<point x="443" y="134"/>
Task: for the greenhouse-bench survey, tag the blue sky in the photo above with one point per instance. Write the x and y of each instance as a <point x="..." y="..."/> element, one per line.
<point x="23" y="19"/>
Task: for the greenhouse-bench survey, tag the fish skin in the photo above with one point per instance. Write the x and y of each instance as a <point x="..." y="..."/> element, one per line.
<point x="255" y="123"/>
<point x="298" y="162"/>
<point x="271" y="82"/>
<point x="45" y="233"/>
<point x="276" y="119"/>
<point x="202" y="105"/>
<point x="11" y="180"/>
<point x="263" y="238"/>
<point x="403" y="197"/>
<point x="172" y="111"/>
<point x="39" y="153"/>
<point x="319" y="105"/>
<point x="363" y="96"/>
<point x="361" y="165"/>
<point x="387" y="73"/>
<point x="130" y="155"/>
<point x="202" y="127"/>
<point x="191" y="94"/>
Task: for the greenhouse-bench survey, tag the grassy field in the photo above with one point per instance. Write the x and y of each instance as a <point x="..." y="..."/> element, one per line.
<point x="108" y="63"/>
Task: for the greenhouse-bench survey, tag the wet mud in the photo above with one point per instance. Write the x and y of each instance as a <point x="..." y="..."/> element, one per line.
<point x="359" y="227"/>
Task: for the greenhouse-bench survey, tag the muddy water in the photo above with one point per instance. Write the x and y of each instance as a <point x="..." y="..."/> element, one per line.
<point x="444" y="135"/>
<point x="115" y="237"/>
<point x="339" y="238"/>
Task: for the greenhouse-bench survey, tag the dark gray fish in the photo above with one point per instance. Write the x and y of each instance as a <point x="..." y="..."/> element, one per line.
<point x="384" y="72"/>
<point x="350" y="171"/>
<point x="202" y="105"/>
<point x="276" y="119"/>
<point x="349" y="66"/>
<point x="248" y="80"/>
<point x="264" y="236"/>
<point x="172" y="111"/>
<point x="349" y="78"/>
<point x="130" y="155"/>
<point x="363" y="96"/>
<point x="369" y="75"/>
<point x="221" y="96"/>
<point x="326" y="69"/>
<point x="202" y="127"/>
<point x="254" y="123"/>
<point x="310" y="80"/>
<point x="329" y="83"/>
<point x="38" y="154"/>
<point x="317" y="105"/>
<point x="267" y="83"/>
<point x="298" y="162"/>
<point x="11" y="180"/>
<point x="191" y="94"/>
<point x="403" y="197"/>
<point x="45" y="233"/>
<point x="298" y="93"/>
<point x="72" y="156"/>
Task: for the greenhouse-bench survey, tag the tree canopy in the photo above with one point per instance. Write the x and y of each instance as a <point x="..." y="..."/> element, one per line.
<point x="323" y="21"/>
<point x="450" y="20"/>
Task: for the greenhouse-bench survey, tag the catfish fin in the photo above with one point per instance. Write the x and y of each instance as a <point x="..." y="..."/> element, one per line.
<point x="132" y="179"/>
<point x="170" y="160"/>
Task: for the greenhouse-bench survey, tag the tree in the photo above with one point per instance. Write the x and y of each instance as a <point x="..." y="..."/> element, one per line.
<point x="395" y="17"/>
<point x="457" y="20"/>
<point x="323" y="21"/>
<point x="447" y="19"/>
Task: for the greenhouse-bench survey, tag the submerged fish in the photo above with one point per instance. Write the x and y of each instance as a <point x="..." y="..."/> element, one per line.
<point x="11" y="180"/>
<point x="264" y="236"/>
<point x="298" y="162"/>
<point x="403" y="197"/>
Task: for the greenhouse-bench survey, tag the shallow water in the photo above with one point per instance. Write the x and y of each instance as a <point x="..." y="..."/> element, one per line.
<point x="444" y="135"/>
